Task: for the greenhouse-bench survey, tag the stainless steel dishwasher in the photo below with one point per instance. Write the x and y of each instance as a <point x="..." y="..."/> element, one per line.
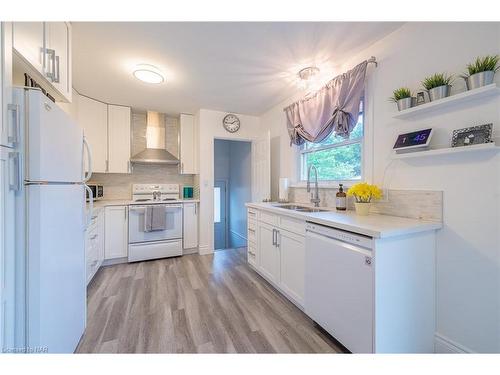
<point x="339" y="285"/>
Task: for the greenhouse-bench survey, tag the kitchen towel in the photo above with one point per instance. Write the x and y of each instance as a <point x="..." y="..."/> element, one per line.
<point x="283" y="189"/>
<point x="154" y="218"/>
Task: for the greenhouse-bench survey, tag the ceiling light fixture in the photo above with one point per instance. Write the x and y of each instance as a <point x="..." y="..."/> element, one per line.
<point x="307" y="73"/>
<point x="148" y="73"/>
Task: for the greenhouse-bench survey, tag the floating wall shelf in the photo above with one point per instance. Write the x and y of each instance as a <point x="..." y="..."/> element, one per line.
<point x="450" y="101"/>
<point x="485" y="147"/>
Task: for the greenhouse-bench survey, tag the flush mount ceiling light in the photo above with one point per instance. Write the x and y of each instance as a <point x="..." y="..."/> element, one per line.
<point x="307" y="73"/>
<point x="148" y="73"/>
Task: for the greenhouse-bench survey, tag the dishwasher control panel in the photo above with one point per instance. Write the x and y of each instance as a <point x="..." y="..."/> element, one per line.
<point x="341" y="235"/>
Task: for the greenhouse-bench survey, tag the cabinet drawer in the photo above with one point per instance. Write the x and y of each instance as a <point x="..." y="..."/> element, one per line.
<point x="252" y="231"/>
<point x="252" y="254"/>
<point x="252" y="214"/>
<point x="293" y="225"/>
<point x="269" y="218"/>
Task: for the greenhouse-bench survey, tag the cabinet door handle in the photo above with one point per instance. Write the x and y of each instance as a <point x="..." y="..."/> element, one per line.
<point x="195" y="209"/>
<point x="14" y="180"/>
<point x="56" y="70"/>
<point x="14" y="137"/>
<point x="274" y="237"/>
<point x="251" y="230"/>
<point x="52" y="64"/>
<point x="93" y="237"/>
<point x="278" y="235"/>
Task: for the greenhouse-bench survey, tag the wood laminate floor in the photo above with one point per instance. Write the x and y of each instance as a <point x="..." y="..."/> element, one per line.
<point x="195" y="304"/>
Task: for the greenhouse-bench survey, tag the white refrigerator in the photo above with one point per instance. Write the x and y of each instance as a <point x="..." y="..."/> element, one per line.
<point x="51" y="220"/>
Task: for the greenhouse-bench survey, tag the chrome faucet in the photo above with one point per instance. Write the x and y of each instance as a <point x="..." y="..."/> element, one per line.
<point x="314" y="197"/>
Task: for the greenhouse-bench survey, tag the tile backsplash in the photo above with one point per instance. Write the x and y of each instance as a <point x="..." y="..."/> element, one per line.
<point x="119" y="185"/>
<point x="415" y="204"/>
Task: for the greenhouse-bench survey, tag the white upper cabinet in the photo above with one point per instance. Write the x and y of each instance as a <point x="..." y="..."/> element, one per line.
<point x="93" y="118"/>
<point x="29" y="43"/>
<point x="119" y="122"/>
<point x="187" y="147"/>
<point x="44" y="49"/>
<point x="58" y="57"/>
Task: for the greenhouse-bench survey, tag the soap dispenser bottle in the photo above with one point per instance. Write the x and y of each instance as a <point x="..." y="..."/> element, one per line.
<point x="341" y="201"/>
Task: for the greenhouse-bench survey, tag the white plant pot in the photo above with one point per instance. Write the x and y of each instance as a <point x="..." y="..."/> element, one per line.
<point x="362" y="209"/>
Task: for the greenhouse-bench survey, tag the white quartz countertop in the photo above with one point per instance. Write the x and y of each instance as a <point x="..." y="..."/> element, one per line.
<point x="373" y="225"/>
<point x="126" y="202"/>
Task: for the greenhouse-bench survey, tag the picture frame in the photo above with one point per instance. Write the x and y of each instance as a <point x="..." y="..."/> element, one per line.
<point x="472" y="135"/>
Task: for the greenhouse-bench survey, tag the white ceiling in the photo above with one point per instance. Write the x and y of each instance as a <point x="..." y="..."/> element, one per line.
<point x="236" y="67"/>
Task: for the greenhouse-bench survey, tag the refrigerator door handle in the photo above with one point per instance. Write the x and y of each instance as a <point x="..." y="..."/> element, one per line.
<point x="89" y="159"/>
<point x="14" y="138"/>
<point x="14" y="175"/>
<point x="91" y="209"/>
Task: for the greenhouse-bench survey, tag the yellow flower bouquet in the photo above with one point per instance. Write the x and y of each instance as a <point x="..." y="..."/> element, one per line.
<point x="363" y="193"/>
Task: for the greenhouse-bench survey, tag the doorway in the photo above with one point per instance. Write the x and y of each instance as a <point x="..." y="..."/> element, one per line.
<point x="220" y="214"/>
<point x="232" y="189"/>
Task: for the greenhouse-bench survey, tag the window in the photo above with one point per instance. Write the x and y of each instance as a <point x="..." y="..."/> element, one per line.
<point x="217" y="204"/>
<point x="336" y="158"/>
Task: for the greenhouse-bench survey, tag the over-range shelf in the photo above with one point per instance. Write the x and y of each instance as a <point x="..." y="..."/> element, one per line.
<point x="450" y="101"/>
<point x="485" y="147"/>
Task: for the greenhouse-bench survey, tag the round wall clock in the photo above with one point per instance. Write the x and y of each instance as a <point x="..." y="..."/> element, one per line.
<point x="231" y="123"/>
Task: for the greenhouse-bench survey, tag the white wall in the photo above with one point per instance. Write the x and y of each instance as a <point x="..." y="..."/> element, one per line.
<point x="210" y="127"/>
<point x="468" y="259"/>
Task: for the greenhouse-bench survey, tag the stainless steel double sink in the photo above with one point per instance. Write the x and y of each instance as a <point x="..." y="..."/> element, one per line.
<point x="299" y="208"/>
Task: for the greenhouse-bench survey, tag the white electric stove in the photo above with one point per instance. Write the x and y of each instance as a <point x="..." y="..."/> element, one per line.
<point x="144" y="243"/>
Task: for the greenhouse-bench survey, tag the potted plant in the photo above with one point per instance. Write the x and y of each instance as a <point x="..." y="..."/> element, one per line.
<point x="363" y="193"/>
<point x="481" y="72"/>
<point x="438" y="86"/>
<point x="402" y="97"/>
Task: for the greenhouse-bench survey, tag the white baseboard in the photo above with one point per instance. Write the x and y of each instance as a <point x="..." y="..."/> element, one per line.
<point x="444" y="345"/>
<point x="193" y="250"/>
<point x="206" y="249"/>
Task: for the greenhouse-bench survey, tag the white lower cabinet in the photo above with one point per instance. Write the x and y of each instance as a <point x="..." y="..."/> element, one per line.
<point x="277" y="253"/>
<point x="190" y="225"/>
<point x="116" y="229"/>
<point x="269" y="253"/>
<point x="94" y="244"/>
<point x="292" y="264"/>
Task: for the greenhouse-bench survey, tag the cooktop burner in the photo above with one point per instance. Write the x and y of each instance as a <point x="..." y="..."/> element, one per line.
<point x="154" y="200"/>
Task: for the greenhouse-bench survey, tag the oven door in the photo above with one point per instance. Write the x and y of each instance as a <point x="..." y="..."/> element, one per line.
<point x="136" y="231"/>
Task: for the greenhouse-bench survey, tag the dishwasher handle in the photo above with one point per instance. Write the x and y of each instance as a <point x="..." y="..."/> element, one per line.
<point x="345" y="245"/>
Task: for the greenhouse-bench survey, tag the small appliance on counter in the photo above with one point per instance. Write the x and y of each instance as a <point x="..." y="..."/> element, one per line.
<point x="187" y="192"/>
<point x="97" y="192"/>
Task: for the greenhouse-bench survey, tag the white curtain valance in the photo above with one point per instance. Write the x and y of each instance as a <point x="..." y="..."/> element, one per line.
<point x="335" y="107"/>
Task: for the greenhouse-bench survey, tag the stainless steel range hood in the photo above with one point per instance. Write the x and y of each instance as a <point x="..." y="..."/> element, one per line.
<point x="155" y="152"/>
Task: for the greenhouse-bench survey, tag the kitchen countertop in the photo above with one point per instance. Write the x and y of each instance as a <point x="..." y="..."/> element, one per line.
<point x="373" y="225"/>
<point x="126" y="202"/>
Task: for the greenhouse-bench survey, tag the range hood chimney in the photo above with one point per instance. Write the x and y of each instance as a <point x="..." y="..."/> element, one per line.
<point x="155" y="152"/>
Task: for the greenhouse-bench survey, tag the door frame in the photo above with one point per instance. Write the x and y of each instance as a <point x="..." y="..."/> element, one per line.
<point x="226" y="201"/>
